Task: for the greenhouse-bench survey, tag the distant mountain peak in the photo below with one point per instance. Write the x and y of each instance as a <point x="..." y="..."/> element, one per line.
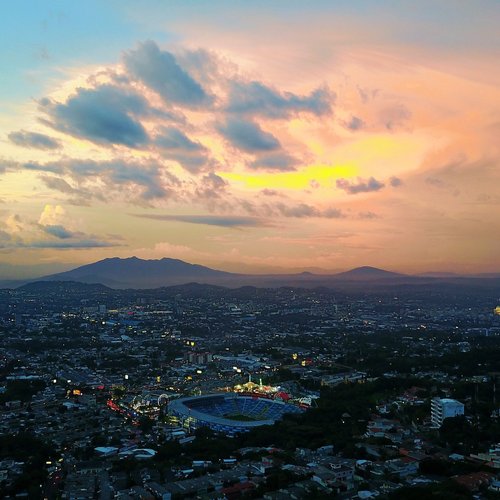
<point x="367" y="273"/>
<point x="133" y="272"/>
<point x="369" y="269"/>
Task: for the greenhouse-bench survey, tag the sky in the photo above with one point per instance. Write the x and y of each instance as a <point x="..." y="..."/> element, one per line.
<point x="250" y="136"/>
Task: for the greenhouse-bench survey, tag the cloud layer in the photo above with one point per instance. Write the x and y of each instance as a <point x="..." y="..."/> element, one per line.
<point x="228" y="141"/>
<point x="105" y="114"/>
<point x="52" y="231"/>
<point x="34" y="140"/>
<point x="160" y="71"/>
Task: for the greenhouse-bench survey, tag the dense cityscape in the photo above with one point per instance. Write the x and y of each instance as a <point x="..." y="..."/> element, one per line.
<point x="198" y="391"/>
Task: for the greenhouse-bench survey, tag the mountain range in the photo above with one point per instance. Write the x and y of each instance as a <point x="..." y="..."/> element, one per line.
<point x="142" y="274"/>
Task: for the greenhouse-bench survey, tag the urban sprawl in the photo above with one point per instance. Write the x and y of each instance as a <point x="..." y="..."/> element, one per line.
<point x="205" y="392"/>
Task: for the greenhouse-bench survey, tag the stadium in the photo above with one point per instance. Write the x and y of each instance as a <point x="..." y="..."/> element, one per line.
<point x="229" y="413"/>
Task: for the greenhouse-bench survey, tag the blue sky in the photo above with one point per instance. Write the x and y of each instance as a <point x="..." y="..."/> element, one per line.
<point x="43" y="36"/>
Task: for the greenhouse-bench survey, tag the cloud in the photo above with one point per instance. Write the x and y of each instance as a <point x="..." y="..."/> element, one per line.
<point x="361" y="186"/>
<point x="256" y="99"/>
<point x="54" y="222"/>
<point x="4" y="237"/>
<point x="354" y="123"/>
<point x="144" y="180"/>
<point x="104" y="115"/>
<point x="333" y="213"/>
<point x="248" y="136"/>
<point x="211" y="186"/>
<point x="176" y="145"/>
<point x="172" y="139"/>
<point x="52" y="215"/>
<point x="368" y="215"/>
<point x="53" y="168"/>
<point x="159" y="70"/>
<point x="204" y="66"/>
<point x="304" y="210"/>
<point x="68" y="244"/>
<point x="82" y="195"/>
<point x="34" y="140"/>
<point x="59" y="184"/>
<point x="58" y="231"/>
<point x="394" y="117"/>
<point x="50" y="231"/>
<point x="55" y="244"/>
<point x="270" y="192"/>
<point x="300" y="210"/>
<point x="280" y="161"/>
<point x="147" y="176"/>
<point x="436" y="182"/>
<point x="210" y="220"/>
<point x="6" y="165"/>
<point x="13" y="223"/>
<point x="395" y="181"/>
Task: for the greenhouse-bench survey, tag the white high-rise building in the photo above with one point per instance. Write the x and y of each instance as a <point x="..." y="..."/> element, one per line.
<point x="442" y="408"/>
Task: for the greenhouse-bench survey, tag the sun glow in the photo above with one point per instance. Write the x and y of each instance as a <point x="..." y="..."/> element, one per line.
<point x="311" y="176"/>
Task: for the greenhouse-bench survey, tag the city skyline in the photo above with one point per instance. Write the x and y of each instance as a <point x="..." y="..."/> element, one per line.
<point x="273" y="137"/>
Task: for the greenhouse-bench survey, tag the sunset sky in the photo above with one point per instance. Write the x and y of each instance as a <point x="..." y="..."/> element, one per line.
<point x="250" y="136"/>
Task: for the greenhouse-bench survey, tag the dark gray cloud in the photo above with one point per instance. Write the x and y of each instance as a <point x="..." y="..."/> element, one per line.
<point x="53" y="168"/>
<point x="33" y="140"/>
<point x="354" y="123"/>
<point x="59" y="184"/>
<point x="368" y="215"/>
<point x="147" y="180"/>
<point x="58" y="231"/>
<point x="211" y="186"/>
<point x="71" y="239"/>
<point x="146" y="176"/>
<point x="105" y="115"/>
<point x="256" y="99"/>
<point x="176" y="145"/>
<point x="361" y="186"/>
<point x="332" y="213"/>
<point x="275" y="161"/>
<point x="304" y="210"/>
<point x="4" y="237"/>
<point x="159" y="70"/>
<point x="436" y="182"/>
<point x="58" y="244"/>
<point x="8" y="165"/>
<point x="173" y="139"/>
<point x="270" y="192"/>
<point x="248" y="136"/>
<point x="210" y="220"/>
<point x="395" y="181"/>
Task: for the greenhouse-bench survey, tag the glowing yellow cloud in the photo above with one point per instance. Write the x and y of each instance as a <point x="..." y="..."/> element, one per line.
<point x="324" y="175"/>
<point x="385" y="154"/>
